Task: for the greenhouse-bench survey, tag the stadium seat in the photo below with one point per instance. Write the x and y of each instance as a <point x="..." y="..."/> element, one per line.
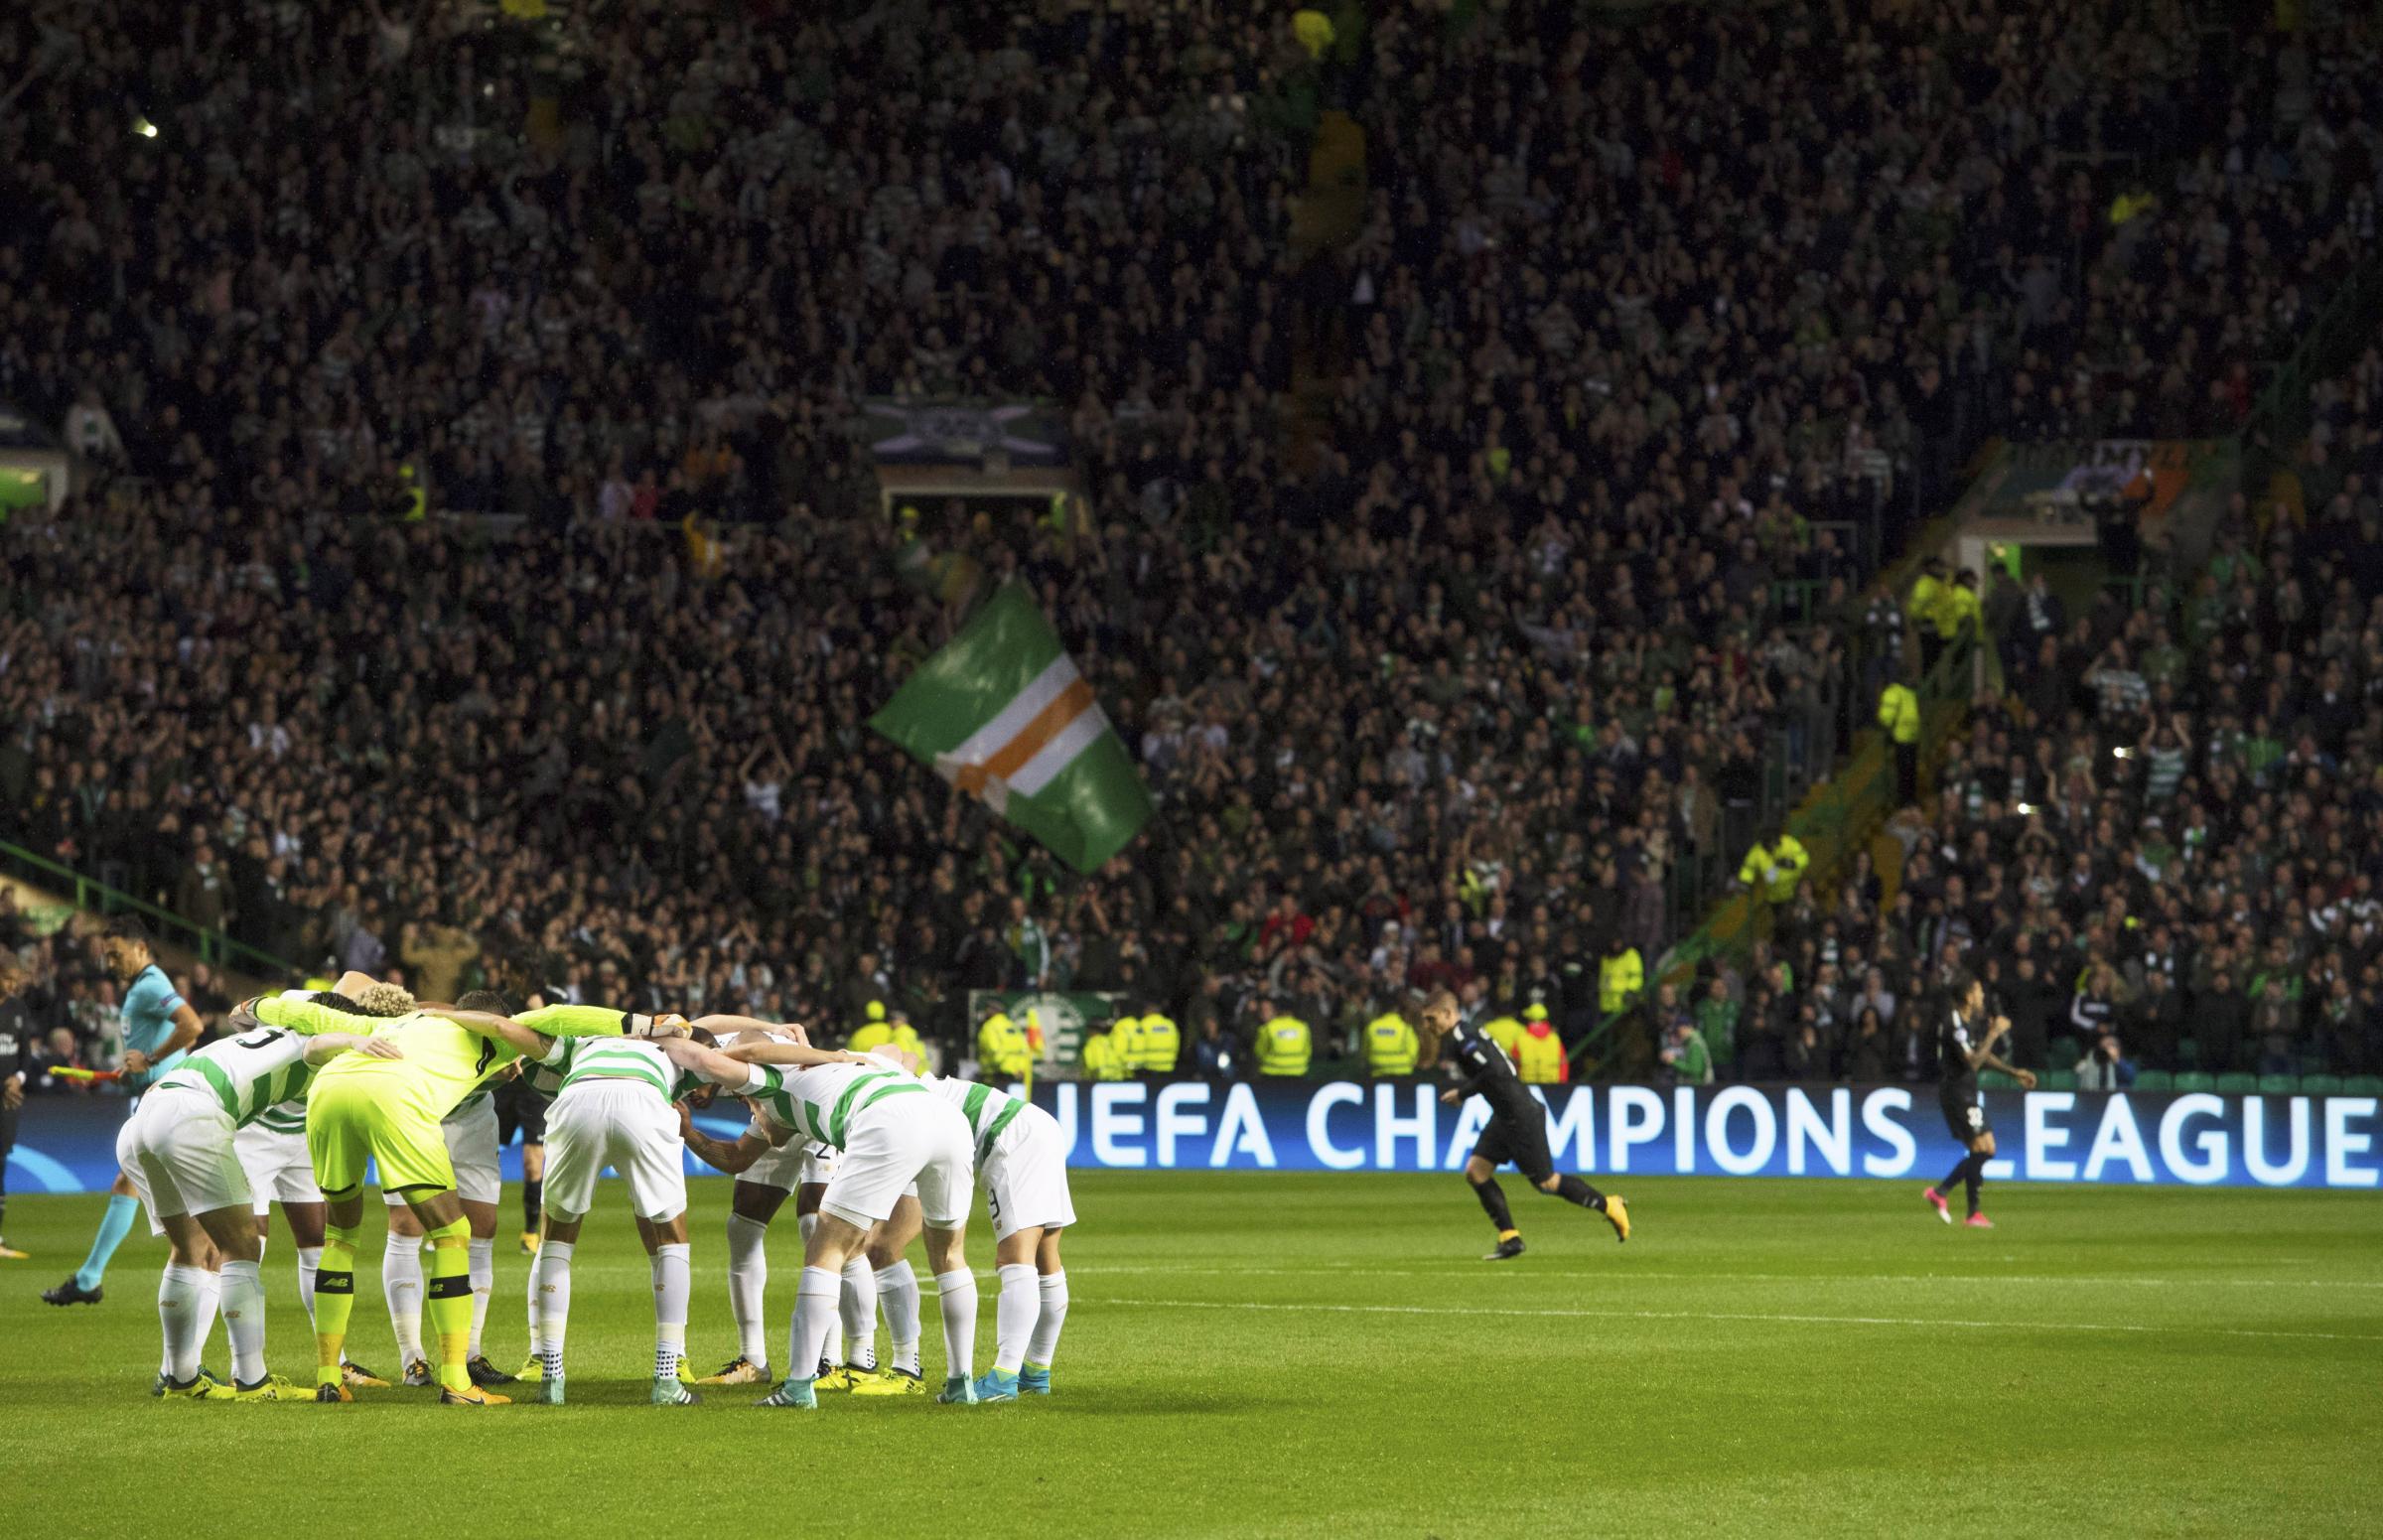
<point x="2059" y="1080"/>
<point x="2063" y="1053"/>
<point x="2364" y="1085"/>
<point x="2153" y="1080"/>
<point x="1996" y="1080"/>
<point x="2320" y="1085"/>
<point x="2238" y="1083"/>
<point x="2189" y="1054"/>
<point x="2279" y="1085"/>
<point x="2195" y="1080"/>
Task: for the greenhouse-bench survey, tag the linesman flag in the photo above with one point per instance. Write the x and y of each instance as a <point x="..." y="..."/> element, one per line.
<point x="1002" y="712"/>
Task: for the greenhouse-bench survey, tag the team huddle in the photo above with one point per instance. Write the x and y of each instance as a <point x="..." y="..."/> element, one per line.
<point x="314" y="1090"/>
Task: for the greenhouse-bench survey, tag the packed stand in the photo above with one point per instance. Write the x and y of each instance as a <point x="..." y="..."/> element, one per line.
<point x="1448" y="706"/>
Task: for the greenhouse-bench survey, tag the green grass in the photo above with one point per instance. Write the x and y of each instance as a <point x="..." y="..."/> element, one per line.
<point x="1270" y="1355"/>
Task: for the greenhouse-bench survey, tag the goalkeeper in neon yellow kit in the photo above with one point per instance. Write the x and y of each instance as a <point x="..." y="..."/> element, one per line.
<point x="356" y="1114"/>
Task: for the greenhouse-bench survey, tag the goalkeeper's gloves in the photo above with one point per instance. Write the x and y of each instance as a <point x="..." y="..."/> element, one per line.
<point x="667" y="1024"/>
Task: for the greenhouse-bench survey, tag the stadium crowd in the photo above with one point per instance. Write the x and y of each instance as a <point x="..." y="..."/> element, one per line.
<point x="2161" y="846"/>
<point x="1447" y="703"/>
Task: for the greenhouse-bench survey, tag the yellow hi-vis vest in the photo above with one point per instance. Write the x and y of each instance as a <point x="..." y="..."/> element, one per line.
<point x="1162" y="1042"/>
<point x="874" y="1035"/>
<point x="1125" y="1036"/>
<point x="1505" y="1031"/>
<point x="1284" y="1045"/>
<point x="1102" y="1060"/>
<point x="1788" y="858"/>
<point x="1001" y="1045"/>
<point x="1540" y="1060"/>
<point x="1898" y="712"/>
<point x="1391" y="1045"/>
<point x="1618" y="979"/>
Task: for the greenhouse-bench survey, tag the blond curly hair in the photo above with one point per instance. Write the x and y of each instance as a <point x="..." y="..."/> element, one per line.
<point x="379" y="999"/>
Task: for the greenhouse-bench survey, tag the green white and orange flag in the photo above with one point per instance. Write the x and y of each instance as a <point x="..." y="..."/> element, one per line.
<point x="1001" y="712"/>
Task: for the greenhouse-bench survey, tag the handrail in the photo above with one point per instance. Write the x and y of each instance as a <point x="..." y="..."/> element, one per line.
<point x="214" y="948"/>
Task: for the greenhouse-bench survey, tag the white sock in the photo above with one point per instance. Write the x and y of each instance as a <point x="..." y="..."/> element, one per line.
<point x="748" y="1282"/>
<point x="814" y="1317"/>
<point x="831" y="1352"/>
<point x="211" y="1295"/>
<point x="310" y="1260"/>
<point x="401" y="1286"/>
<point x="483" y="1265"/>
<point x="897" y="1291"/>
<point x="529" y="1295"/>
<point x="553" y="1274"/>
<point x="1015" y="1310"/>
<point x="1046" y="1327"/>
<point x="243" y="1294"/>
<point x="177" y="1320"/>
<point x="959" y="1309"/>
<point x="860" y="1313"/>
<point x="672" y="1285"/>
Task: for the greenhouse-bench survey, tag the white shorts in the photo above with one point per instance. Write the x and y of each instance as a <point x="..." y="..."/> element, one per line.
<point x="1026" y="1176"/>
<point x="897" y="1142"/>
<point x="795" y="1164"/>
<point x="177" y="1149"/>
<point x="471" y="1151"/>
<point x="277" y="1166"/>
<point x="622" y="1124"/>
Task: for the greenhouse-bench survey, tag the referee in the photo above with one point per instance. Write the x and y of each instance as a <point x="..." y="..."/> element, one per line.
<point x="1517" y="1130"/>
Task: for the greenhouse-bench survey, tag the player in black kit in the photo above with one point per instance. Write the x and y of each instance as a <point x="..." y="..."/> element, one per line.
<point x="1518" y="1131"/>
<point x="1965" y="1042"/>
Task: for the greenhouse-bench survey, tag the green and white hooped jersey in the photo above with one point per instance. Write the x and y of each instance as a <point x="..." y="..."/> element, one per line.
<point x="575" y="1060"/>
<point x="818" y="1104"/>
<point x="249" y="1076"/>
<point x="989" y="1112"/>
<point x="283" y="1117"/>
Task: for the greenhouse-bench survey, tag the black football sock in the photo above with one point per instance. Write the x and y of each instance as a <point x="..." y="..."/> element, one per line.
<point x="1574" y="1191"/>
<point x="1953" y="1179"/>
<point x="1495" y="1202"/>
<point x="533" y="1202"/>
<point x="1976" y="1179"/>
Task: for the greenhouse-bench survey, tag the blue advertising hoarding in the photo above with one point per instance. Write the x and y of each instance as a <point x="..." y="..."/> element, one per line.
<point x="2195" y="1139"/>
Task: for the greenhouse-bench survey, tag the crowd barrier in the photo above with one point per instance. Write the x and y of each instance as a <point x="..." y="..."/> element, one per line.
<point x="2189" y="1139"/>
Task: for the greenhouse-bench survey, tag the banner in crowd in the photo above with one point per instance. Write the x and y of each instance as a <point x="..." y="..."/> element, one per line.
<point x="968" y="433"/>
<point x="2192" y="1139"/>
<point x="1003" y="714"/>
<point x="2178" y="485"/>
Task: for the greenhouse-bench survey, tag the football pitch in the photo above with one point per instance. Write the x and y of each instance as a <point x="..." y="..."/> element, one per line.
<point x="1272" y="1354"/>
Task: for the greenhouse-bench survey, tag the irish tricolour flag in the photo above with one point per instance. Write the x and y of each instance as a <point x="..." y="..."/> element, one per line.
<point x="1002" y="712"/>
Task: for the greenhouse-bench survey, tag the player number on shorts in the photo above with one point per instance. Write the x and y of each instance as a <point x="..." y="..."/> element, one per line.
<point x="1977" y="1117"/>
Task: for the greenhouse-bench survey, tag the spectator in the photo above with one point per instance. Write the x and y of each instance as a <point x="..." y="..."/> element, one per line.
<point x="2105" y="1066"/>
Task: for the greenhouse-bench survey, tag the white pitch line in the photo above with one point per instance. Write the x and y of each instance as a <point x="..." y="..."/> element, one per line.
<point x="1695" y="1315"/>
<point x="1603" y="1278"/>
